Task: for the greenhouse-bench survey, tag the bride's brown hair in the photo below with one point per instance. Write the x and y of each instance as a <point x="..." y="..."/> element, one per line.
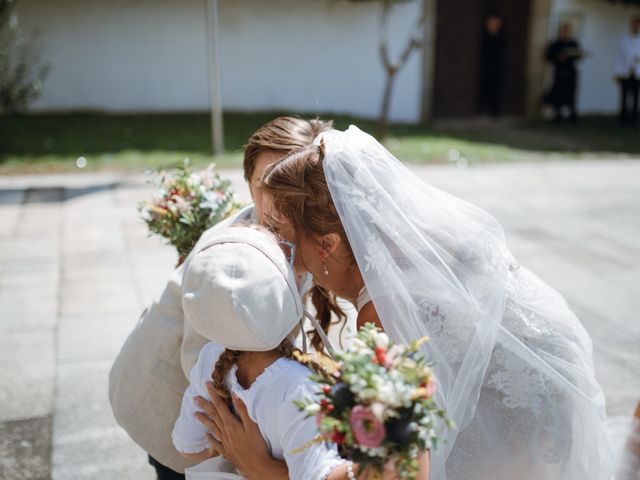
<point x="285" y="135"/>
<point x="298" y="188"/>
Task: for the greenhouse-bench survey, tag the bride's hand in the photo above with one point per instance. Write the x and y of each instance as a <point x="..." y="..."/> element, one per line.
<point x="238" y="439"/>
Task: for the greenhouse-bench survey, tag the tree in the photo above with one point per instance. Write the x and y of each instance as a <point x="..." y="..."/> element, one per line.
<point x="391" y="66"/>
<point x="21" y="75"/>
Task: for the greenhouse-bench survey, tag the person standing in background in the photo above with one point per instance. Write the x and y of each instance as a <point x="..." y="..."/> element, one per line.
<point x="563" y="55"/>
<point x="627" y="74"/>
<point x="491" y="65"/>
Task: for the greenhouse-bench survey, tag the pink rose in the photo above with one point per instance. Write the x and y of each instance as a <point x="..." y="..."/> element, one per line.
<point x="431" y="388"/>
<point x="368" y="431"/>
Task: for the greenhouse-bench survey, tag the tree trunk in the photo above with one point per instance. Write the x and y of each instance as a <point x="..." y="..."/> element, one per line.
<point x="392" y="68"/>
<point x="386" y="103"/>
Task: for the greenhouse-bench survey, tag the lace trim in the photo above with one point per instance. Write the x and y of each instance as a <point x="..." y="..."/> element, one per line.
<point x="329" y="468"/>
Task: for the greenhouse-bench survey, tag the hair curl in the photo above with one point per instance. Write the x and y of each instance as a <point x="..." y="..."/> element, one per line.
<point x="299" y="191"/>
<point x="283" y="135"/>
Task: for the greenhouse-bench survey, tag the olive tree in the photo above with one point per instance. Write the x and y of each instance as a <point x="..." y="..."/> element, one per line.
<point x="21" y="74"/>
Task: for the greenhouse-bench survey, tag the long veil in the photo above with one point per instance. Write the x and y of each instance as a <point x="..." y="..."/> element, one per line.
<point x="513" y="362"/>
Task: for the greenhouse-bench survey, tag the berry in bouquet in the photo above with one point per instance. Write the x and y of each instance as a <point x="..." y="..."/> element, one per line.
<point x="376" y="403"/>
<point x="188" y="203"/>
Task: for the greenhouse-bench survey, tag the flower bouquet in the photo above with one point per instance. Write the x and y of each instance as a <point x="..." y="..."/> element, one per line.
<point x="376" y="403"/>
<point x="187" y="204"/>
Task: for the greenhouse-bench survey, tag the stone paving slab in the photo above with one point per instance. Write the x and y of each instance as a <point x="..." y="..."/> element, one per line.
<point x="87" y="443"/>
<point x="25" y="449"/>
<point x="27" y="374"/>
<point x="87" y="338"/>
<point x="28" y="296"/>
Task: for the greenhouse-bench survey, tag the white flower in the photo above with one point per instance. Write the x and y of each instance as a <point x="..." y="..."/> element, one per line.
<point x="386" y="394"/>
<point x="368" y="394"/>
<point x="380" y="452"/>
<point x="181" y="204"/>
<point x="208" y="177"/>
<point x="312" y="408"/>
<point x="145" y="214"/>
<point x="409" y="364"/>
<point x="378" y="409"/>
<point x="194" y="180"/>
<point x="357" y="344"/>
<point x="365" y="352"/>
<point x="382" y="340"/>
<point x="357" y="384"/>
<point x="211" y="201"/>
<point x="393" y="355"/>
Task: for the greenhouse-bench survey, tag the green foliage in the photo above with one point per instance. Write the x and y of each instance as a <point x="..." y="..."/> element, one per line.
<point x="52" y="142"/>
<point x="21" y="75"/>
<point x="625" y="2"/>
<point x="379" y="1"/>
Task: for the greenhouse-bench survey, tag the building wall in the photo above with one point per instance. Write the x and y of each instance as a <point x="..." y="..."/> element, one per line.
<point x="310" y="56"/>
<point x="602" y="25"/>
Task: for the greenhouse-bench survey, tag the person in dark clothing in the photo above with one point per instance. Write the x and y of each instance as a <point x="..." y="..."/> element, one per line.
<point x="563" y="55"/>
<point x="165" y="473"/>
<point x="627" y="74"/>
<point x="491" y="65"/>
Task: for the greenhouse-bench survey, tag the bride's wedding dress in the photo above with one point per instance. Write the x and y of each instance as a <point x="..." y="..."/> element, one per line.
<point x="513" y="362"/>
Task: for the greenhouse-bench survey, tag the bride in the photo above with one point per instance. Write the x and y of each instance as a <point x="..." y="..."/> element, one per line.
<point x="512" y="360"/>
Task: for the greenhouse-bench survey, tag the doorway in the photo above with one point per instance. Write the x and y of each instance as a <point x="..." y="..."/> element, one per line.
<point x="457" y="66"/>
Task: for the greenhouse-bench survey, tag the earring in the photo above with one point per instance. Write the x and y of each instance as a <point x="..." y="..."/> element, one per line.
<point x="324" y="264"/>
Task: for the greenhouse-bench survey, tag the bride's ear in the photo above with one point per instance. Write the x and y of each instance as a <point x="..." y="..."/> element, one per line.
<point x="329" y="243"/>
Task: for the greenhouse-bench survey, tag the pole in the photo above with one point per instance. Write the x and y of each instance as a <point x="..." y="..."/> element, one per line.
<point x="213" y="49"/>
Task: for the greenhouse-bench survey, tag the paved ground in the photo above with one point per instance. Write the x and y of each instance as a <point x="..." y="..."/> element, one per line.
<point x="76" y="269"/>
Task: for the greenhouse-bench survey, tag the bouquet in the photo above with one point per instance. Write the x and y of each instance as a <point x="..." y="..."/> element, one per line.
<point x="187" y="204"/>
<point x="376" y="403"/>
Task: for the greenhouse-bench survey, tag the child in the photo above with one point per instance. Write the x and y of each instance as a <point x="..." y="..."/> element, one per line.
<point x="245" y="278"/>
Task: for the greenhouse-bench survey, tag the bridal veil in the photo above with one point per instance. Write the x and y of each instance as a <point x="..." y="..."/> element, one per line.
<point x="513" y="362"/>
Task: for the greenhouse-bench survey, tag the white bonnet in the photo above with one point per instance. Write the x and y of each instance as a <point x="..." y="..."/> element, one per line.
<point x="240" y="292"/>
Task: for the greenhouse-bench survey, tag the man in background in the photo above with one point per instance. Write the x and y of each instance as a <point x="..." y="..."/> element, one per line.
<point x="563" y="55"/>
<point x="492" y="48"/>
<point x="627" y="74"/>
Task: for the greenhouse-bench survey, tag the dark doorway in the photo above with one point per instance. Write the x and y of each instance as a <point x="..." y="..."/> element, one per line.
<point x="458" y="40"/>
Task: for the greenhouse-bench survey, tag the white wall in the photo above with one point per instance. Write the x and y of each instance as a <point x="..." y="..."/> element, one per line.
<point x="150" y="55"/>
<point x="603" y="26"/>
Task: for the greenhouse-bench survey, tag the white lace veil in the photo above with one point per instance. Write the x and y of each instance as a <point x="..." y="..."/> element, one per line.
<point x="513" y="363"/>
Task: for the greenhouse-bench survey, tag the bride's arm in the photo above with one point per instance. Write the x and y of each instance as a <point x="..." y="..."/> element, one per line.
<point x="240" y="439"/>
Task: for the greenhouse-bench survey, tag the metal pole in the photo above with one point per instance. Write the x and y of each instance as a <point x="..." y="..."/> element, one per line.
<point x="213" y="48"/>
<point x="428" y="59"/>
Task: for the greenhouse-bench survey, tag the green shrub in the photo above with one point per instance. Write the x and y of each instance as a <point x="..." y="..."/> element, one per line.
<point x="21" y="74"/>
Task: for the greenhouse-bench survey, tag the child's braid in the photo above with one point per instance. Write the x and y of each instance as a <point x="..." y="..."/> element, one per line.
<point x="223" y="365"/>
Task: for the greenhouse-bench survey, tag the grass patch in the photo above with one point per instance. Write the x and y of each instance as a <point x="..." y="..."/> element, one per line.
<point x="52" y="143"/>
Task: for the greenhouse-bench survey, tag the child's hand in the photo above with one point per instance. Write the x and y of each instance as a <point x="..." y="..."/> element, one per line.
<point x="212" y="451"/>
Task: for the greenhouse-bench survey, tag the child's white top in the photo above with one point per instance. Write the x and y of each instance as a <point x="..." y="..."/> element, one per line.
<point x="269" y="402"/>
